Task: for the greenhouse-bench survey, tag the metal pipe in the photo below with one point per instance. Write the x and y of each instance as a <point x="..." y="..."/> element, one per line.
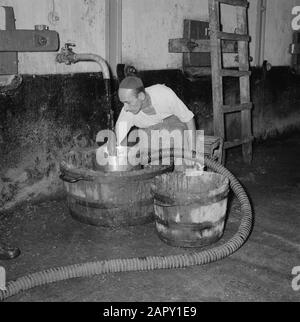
<point x="68" y="57"/>
<point x="261" y="32"/>
<point x="106" y="76"/>
<point x="95" y="58"/>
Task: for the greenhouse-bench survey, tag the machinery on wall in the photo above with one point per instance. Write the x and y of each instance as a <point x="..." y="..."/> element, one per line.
<point x="13" y="41"/>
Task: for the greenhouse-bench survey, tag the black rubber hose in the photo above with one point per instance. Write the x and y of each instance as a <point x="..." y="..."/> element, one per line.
<point x="147" y="263"/>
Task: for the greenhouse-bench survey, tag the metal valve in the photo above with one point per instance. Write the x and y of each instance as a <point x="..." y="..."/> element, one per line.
<point x="67" y="54"/>
<point x="68" y="46"/>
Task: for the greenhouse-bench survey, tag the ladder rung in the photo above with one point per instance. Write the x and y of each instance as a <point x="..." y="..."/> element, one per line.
<point x="197" y="71"/>
<point x="237" y="3"/>
<point x="232" y="36"/>
<point x="235" y="143"/>
<point x="236" y="108"/>
<point x="234" y="73"/>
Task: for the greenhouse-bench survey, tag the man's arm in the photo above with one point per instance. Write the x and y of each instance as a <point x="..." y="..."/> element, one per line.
<point x="122" y="128"/>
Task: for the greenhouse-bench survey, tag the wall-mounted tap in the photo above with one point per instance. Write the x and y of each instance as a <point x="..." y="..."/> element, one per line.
<point x="66" y="55"/>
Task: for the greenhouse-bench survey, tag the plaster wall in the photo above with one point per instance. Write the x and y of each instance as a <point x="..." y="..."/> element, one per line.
<point x="279" y="31"/>
<point x="148" y="26"/>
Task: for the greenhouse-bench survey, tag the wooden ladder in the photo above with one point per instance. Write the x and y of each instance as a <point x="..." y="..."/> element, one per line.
<point x="243" y="73"/>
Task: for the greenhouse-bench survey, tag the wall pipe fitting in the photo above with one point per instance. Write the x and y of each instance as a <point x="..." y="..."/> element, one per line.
<point x="260" y="32"/>
<point x="150" y="262"/>
<point x="94" y="58"/>
<point x="68" y="56"/>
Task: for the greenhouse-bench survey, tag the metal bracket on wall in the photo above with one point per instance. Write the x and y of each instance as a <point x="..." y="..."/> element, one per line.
<point x="13" y="41"/>
<point x="29" y="40"/>
<point x="8" y="60"/>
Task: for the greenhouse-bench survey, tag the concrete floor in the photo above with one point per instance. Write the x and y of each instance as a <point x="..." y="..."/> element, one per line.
<point x="260" y="271"/>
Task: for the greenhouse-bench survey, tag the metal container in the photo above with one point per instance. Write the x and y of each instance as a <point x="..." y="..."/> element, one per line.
<point x="119" y="162"/>
<point x="109" y="199"/>
<point x="190" y="211"/>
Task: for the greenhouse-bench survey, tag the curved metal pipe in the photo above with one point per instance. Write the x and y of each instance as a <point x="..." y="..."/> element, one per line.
<point x="106" y="76"/>
<point x="68" y="57"/>
<point x="95" y="58"/>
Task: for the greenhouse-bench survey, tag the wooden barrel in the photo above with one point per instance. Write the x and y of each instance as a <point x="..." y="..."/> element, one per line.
<point x="107" y="199"/>
<point x="190" y="211"/>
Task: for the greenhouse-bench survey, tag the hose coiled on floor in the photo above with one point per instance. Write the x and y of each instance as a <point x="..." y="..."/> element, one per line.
<point x="151" y="262"/>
